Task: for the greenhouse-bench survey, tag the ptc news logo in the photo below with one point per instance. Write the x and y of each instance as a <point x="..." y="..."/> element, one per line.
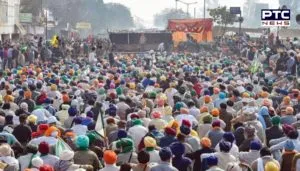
<point x="275" y="17"/>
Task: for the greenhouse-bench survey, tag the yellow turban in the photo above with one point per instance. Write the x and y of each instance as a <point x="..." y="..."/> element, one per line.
<point x="32" y="118"/>
<point x="53" y="87"/>
<point x="271" y="166"/>
<point x="149" y="142"/>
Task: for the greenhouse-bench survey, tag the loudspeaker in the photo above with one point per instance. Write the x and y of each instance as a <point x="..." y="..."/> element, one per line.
<point x="298" y="19"/>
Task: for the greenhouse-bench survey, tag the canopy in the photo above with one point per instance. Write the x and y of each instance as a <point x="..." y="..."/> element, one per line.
<point x="199" y="29"/>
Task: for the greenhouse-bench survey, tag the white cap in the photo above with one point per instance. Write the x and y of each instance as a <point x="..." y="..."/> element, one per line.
<point x="37" y="162"/>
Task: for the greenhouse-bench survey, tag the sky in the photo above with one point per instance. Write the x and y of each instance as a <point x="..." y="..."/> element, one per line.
<point x="146" y="9"/>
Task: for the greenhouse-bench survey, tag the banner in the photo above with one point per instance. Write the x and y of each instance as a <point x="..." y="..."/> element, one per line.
<point x="25" y="18"/>
<point x="190" y="25"/>
<point x="83" y="25"/>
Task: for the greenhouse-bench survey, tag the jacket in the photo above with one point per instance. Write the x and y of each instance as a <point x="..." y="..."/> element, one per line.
<point x="130" y="157"/>
<point x="226" y="117"/>
<point x="273" y="132"/>
<point x="87" y="157"/>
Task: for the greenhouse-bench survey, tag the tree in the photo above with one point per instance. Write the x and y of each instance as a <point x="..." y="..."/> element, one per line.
<point x="161" y="19"/>
<point x="96" y="12"/>
<point x="119" y="16"/>
<point x="222" y="17"/>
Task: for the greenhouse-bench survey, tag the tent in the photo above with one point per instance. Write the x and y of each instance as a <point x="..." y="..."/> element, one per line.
<point x="199" y="29"/>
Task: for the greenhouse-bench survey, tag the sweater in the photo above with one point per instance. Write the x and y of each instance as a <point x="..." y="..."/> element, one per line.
<point x="287" y="160"/>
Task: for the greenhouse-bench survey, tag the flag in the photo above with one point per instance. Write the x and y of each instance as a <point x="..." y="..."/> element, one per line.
<point x="60" y="146"/>
<point x="99" y="125"/>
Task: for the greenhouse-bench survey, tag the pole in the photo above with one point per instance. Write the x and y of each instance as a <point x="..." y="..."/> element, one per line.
<point x="46" y="24"/>
<point x="204" y="3"/>
<point x="240" y="24"/>
<point x="187" y="9"/>
<point x="194" y="12"/>
<point x="176" y="1"/>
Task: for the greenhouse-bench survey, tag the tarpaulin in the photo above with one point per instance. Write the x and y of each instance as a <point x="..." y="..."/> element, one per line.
<point x="190" y="25"/>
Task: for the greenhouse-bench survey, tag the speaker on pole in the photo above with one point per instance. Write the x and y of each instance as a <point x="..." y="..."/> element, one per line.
<point x="298" y="19"/>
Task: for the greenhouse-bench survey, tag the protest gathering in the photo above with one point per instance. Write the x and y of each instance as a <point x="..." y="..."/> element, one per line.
<point x="231" y="107"/>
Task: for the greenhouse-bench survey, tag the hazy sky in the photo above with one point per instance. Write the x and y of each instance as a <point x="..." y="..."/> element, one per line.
<point x="145" y="9"/>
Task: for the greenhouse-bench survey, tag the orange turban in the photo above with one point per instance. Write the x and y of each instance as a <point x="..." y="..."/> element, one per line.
<point x="50" y="130"/>
<point x="205" y="142"/>
<point x="286" y="100"/>
<point x="215" y="112"/>
<point x="28" y="94"/>
<point x="175" y="125"/>
<point x="8" y="98"/>
<point x="65" y="98"/>
<point x="110" y="157"/>
<point x="207" y="99"/>
<point x="264" y="94"/>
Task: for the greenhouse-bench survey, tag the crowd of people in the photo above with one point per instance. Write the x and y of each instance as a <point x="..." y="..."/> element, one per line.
<point x="218" y="110"/>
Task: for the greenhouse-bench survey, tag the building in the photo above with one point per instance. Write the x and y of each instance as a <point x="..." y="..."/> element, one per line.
<point x="9" y="19"/>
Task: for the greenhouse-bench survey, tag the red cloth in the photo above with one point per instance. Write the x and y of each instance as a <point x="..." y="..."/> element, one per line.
<point x="197" y="87"/>
<point x="190" y="25"/>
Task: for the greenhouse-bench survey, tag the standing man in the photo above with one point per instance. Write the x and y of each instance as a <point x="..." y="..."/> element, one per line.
<point x="15" y="55"/>
<point x="10" y="56"/>
<point x="143" y="40"/>
<point x="111" y="58"/>
<point x="92" y="57"/>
